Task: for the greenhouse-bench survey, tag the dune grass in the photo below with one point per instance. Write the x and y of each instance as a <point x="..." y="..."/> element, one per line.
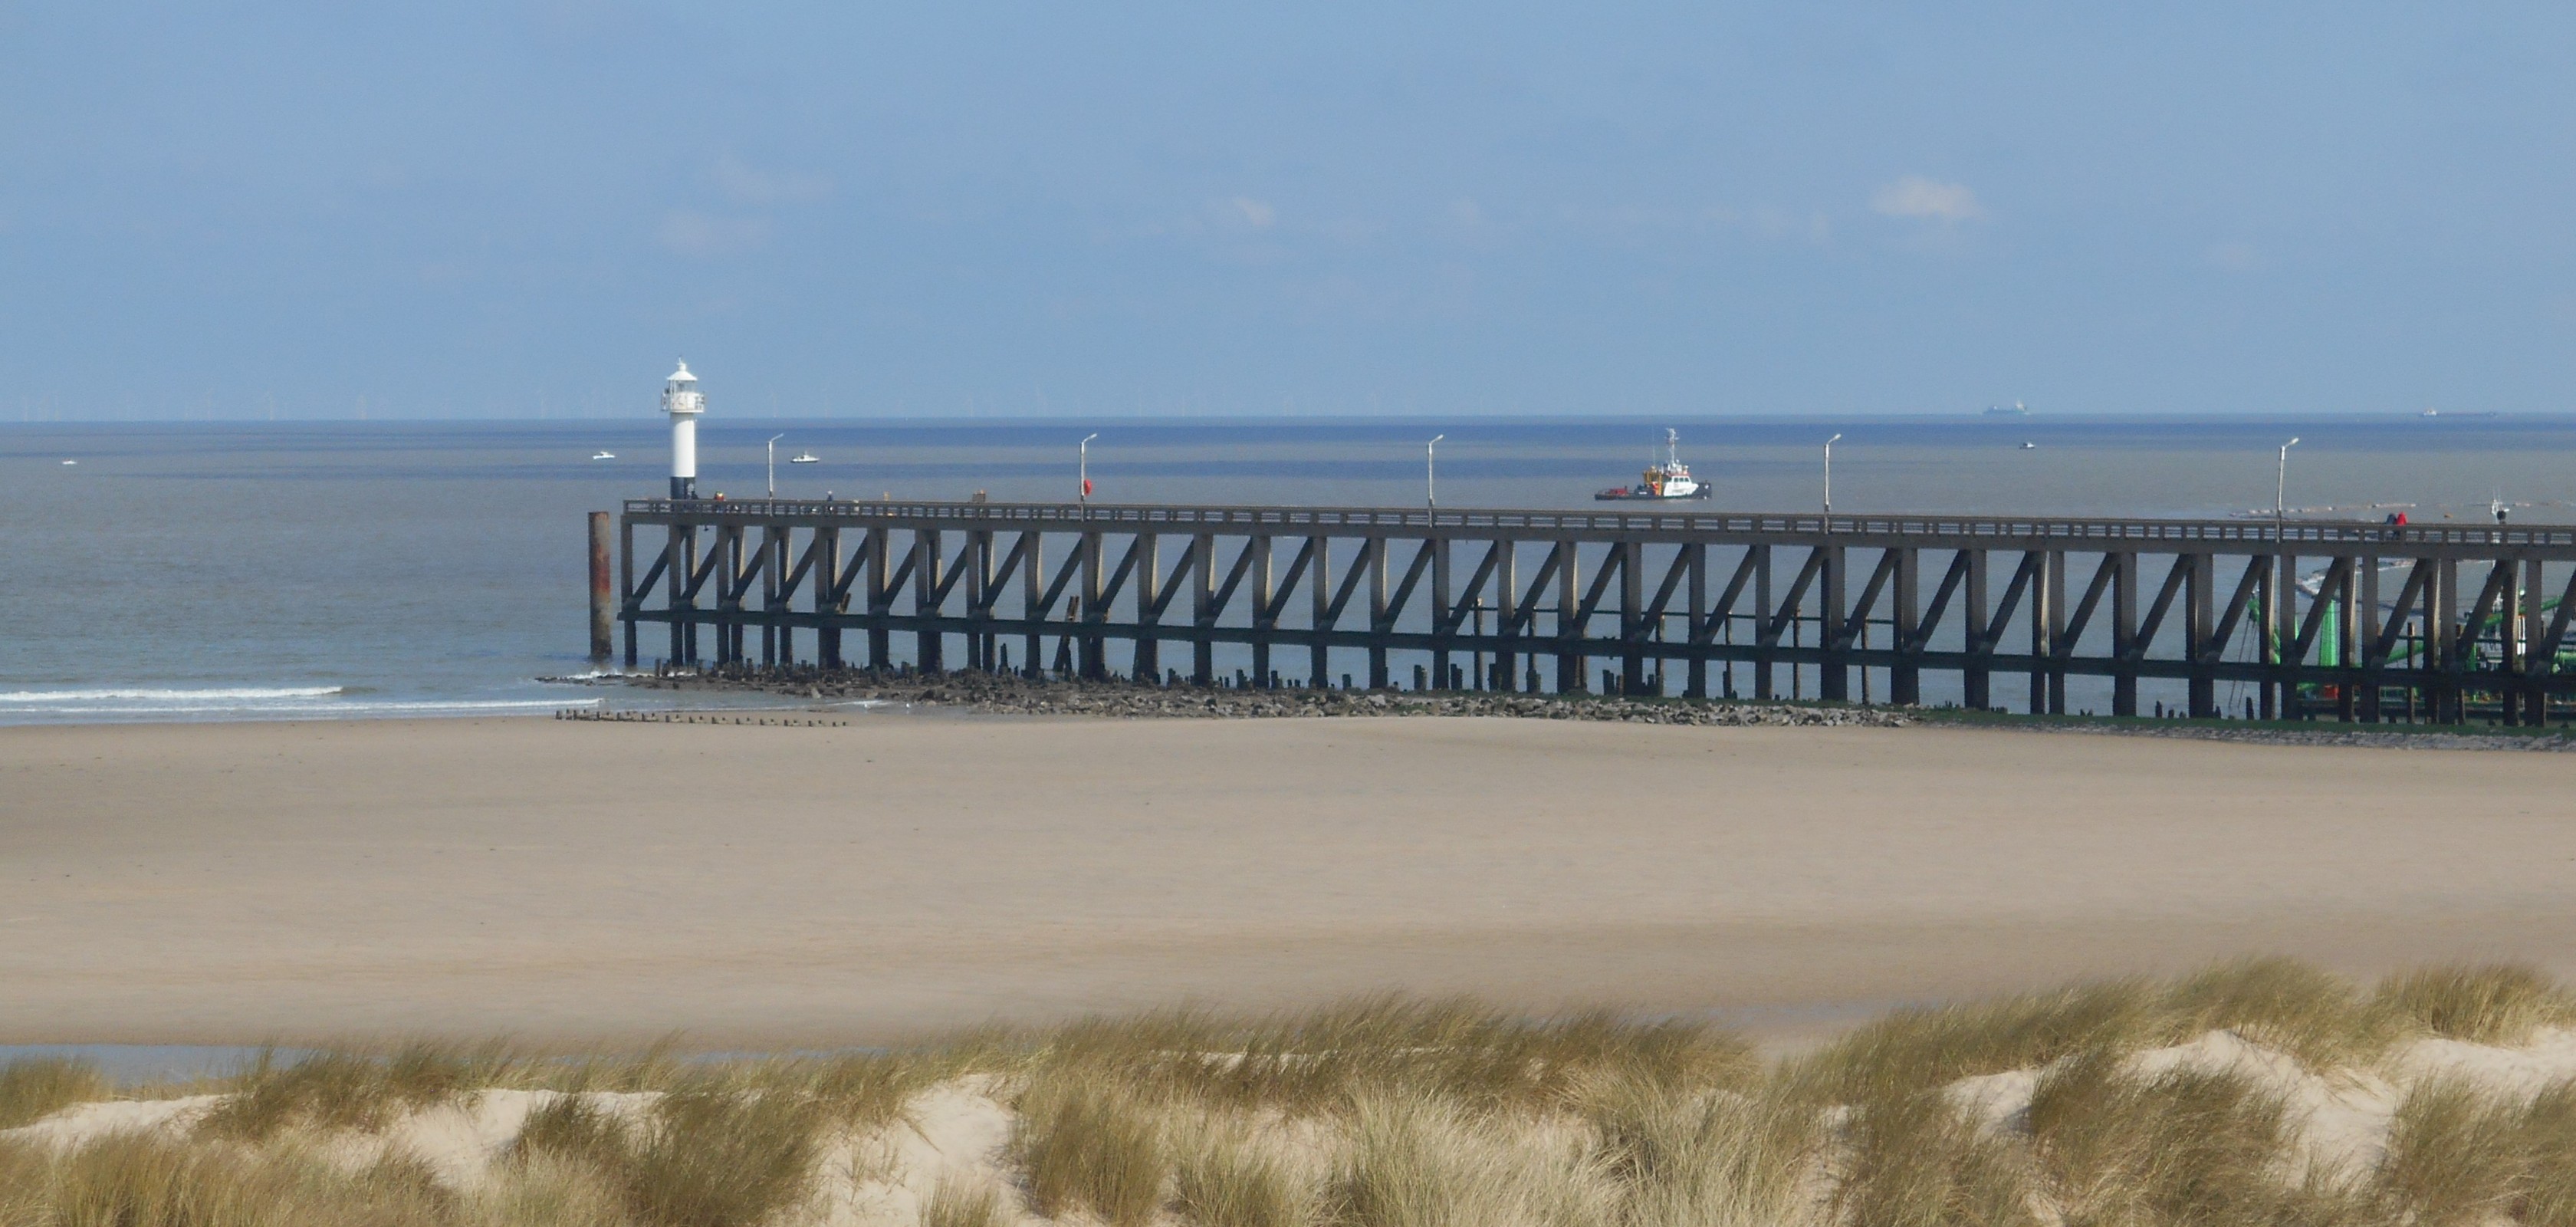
<point x="1396" y="1112"/>
<point x="1091" y="1143"/>
<point x="1415" y="1160"/>
<point x="2183" y="1146"/>
<point x="1226" y="1176"/>
<point x="2496" y="1003"/>
<point x="32" y="1088"/>
<point x="956" y="1202"/>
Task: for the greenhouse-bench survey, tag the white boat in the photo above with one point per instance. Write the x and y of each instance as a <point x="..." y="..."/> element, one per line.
<point x="1670" y="480"/>
<point x="2028" y="446"/>
<point x="71" y="462"/>
<point x="804" y="458"/>
<point x="603" y="456"/>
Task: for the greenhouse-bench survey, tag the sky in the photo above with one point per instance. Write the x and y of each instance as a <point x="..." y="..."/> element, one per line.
<point x="242" y="210"/>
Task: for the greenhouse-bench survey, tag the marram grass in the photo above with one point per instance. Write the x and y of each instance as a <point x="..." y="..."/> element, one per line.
<point x="1395" y="1112"/>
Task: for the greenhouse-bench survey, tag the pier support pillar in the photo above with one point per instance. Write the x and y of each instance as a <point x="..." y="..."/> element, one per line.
<point x="1203" y="610"/>
<point x="829" y="597"/>
<point x="1265" y="620"/>
<point x="603" y="592"/>
<point x="1763" y="639"/>
<point x="880" y="601"/>
<point x="1507" y="594"/>
<point x="1032" y="590"/>
<point x="1695" y="557"/>
<point x="1148" y="660"/>
<point x="1094" y="653"/>
<point x="2200" y="630"/>
<point x="927" y="655"/>
<point x="1319" y="586"/>
<point x="1630" y="558"/>
<point x="1977" y="679"/>
<point x="1443" y="621"/>
<point x="1833" y="629"/>
<point x="2124" y="632"/>
<point x="1905" y="680"/>
<point x="1373" y="554"/>
<point x="1569" y="628"/>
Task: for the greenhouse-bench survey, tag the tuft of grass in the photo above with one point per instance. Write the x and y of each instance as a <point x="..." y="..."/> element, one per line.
<point x="33" y="1088"/>
<point x="2548" y="1134"/>
<point x="2455" y="1155"/>
<point x="352" y="1090"/>
<point x="1230" y="1179"/>
<point x="703" y="1157"/>
<point x="2495" y="1003"/>
<point x="26" y="1173"/>
<point x="1684" y="1158"/>
<point x="145" y="1180"/>
<point x="549" y="1191"/>
<point x="1914" y="1050"/>
<point x="2184" y="1146"/>
<point x="2313" y="1015"/>
<point x="1919" y="1160"/>
<point x="1415" y="1160"/>
<point x="955" y="1202"/>
<point x="1090" y="1143"/>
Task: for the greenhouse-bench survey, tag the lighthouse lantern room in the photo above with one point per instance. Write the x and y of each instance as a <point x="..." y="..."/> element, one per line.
<point x="682" y="400"/>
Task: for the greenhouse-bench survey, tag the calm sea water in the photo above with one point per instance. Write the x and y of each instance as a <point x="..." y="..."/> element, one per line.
<point x="354" y="569"/>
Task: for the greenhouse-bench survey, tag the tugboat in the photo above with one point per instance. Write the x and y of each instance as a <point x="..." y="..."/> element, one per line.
<point x="1669" y="480"/>
<point x="804" y="458"/>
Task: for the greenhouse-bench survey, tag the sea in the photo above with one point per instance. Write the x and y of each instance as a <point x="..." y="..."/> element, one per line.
<point x="352" y="570"/>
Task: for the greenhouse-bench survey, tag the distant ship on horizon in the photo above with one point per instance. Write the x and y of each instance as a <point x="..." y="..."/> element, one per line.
<point x="2013" y="410"/>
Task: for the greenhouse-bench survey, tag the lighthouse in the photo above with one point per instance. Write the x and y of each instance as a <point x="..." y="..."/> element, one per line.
<point x="682" y="400"/>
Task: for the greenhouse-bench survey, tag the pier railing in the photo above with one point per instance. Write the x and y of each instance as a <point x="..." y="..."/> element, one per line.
<point x="2291" y="616"/>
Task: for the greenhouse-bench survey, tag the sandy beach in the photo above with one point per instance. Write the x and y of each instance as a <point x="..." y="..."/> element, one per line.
<point x="579" y="881"/>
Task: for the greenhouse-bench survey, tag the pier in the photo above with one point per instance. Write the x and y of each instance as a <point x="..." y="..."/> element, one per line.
<point x="2204" y="618"/>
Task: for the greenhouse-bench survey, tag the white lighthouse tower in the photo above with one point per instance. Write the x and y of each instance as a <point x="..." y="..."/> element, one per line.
<point x="682" y="400"/>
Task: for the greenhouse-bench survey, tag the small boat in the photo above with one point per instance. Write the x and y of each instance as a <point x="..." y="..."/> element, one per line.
<point x="2029" y="446"/>
<point x="603" y="456"/>
<point x="1670" y="480"/>
<point x="71" y="462"/>
<point x="804" y="458"/>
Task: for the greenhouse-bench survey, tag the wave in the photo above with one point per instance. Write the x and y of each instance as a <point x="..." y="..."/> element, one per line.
<point x="212" y="694"/>
<point x="117" y="704"/>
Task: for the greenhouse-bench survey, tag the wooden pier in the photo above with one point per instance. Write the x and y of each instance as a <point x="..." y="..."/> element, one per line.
<point x="2233" y="617"/>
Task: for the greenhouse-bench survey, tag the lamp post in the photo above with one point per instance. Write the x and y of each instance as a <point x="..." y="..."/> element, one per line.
<point x="2281" y="489"/>
<point x="1430" y="485"/>
<point x="1829" y="474"/>
<point x="1085" y="454"/>
<point x="773" y="464"/>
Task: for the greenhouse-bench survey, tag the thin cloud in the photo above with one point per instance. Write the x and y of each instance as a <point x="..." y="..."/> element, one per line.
<point x="691" y="233"/>
<point x="1917" y="196"/>
<point x="746" y="185"/>
<point x="1257" y="213"/>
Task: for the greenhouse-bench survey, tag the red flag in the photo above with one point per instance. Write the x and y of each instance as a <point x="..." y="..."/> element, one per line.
<point x="1086" y="487"/>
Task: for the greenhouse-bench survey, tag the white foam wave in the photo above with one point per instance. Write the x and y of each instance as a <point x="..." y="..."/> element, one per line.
<point x="207" y="695"/>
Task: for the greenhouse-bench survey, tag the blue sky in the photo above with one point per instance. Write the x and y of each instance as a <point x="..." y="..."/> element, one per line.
<point x="234" y="209"/>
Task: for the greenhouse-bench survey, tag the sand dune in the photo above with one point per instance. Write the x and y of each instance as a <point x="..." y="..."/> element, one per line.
<point x="775" y="885"/>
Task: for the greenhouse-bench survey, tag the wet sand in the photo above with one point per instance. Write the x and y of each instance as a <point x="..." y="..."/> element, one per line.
<point x="568" y="882"/>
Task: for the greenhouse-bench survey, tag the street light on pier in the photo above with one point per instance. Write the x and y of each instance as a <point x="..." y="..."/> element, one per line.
<point x="2281" y="489"/>
<point x="1430" y="485"/>
<point x="1829" y="473"/>
<point x="1085" y="462"/>
<point x="773" y="464"/>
